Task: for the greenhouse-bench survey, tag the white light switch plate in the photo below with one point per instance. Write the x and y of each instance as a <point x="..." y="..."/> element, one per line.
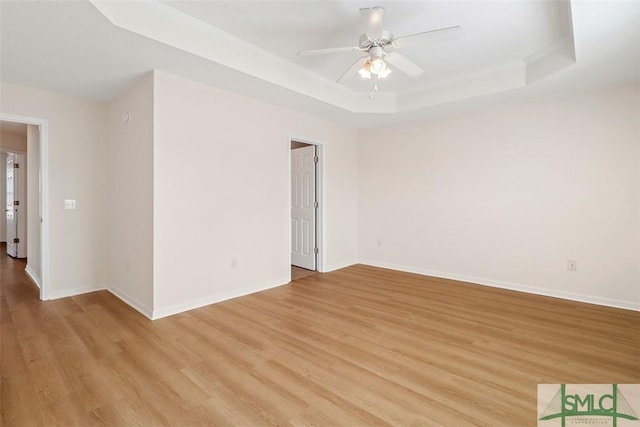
<point x="70" y="204"/>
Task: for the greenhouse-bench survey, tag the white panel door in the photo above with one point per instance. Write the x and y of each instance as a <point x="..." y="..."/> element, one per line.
<point x="10" y="209"/>
<point x="16" y="207"/>
<point x="303" y="208"/>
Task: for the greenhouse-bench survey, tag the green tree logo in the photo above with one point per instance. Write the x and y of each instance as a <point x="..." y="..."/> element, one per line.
<point x="614" y="406"/>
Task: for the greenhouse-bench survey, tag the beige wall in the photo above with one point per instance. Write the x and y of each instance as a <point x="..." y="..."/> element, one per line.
<point x="506" y="196"/>
<point x="12" y="142"/>
<point x="130" y="214"/>
<point x="34" y="266"/>
<point x="221" y="188"/>
<point x="78" y="170"/>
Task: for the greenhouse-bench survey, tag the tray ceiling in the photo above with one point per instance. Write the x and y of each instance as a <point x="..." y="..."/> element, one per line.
<point x="94" y="48"/>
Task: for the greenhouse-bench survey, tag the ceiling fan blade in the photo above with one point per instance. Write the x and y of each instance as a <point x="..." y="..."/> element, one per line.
<point x="403" y="64"/>
<point x="442" y="34"/>
<point x="355" y="67"/>
<point x="308" y="52"/>
<point x="372" y="18"/>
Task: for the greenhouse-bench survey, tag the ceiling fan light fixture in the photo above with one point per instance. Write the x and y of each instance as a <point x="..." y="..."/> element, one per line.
<point x="377" y="65"/>
<point x="365" y="72"/>
<point x="384" y="73"/>
<point x="374" y="41"/>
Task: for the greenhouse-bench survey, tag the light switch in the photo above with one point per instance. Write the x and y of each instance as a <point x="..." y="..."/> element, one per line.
<point x="69" y="204"/>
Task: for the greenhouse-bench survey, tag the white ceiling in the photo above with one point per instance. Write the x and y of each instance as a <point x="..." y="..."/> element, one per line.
<point x="250" y="48"/>
<point x="284" y="28"/>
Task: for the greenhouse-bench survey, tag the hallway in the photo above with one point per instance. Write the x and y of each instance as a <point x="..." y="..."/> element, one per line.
<point x="16" y="285"/>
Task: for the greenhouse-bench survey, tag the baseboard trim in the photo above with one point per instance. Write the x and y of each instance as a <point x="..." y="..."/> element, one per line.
<point x="589" y="299"/>
<point x="338" y="266"/>
<point x="34" y="277"/>
<point x="131" y="302"/>
<point x="65" y="293"/>
<point x="212" y="299"/>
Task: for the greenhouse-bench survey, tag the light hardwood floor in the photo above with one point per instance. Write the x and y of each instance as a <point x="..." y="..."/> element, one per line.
<point x="360" y="346"/>
<point x="298" y="272"/>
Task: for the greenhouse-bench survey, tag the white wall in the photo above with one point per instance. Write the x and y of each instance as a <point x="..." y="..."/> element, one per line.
<point x="34" y="266"/>
<point x="130" y="214"/>
<point x="200" y="176"/>
<point x="221" y="188"/>
<point x="506" y="196"/>
<point x="77" y="170"/>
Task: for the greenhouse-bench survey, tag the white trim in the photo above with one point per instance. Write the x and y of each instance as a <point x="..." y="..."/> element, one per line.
<point x="71" y="292"/>
<point x="44" y="195"/>
<point x="589" y="299"/>
<point x="338" y="266"/>
<point x="34" y="277"/>
<point x="321" y="198"/>
<point x="212" y="299"/>
<point x="131" y="302"/>
<point x="288" y="210"/>
<point x="162" y="23"/>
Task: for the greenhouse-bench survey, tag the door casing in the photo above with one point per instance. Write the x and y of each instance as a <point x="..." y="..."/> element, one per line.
<point x="320" y="197"/>
<point x="43" y="125"/>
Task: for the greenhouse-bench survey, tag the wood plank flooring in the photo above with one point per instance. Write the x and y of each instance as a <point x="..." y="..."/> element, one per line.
<point x="357" y="347"/>
<point x="298" y="272"/>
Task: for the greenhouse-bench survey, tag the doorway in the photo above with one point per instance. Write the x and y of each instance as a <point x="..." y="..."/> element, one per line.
<point x="305" y="208"/>
<point x="24" y="172"/>
<point x="15" y="199"/>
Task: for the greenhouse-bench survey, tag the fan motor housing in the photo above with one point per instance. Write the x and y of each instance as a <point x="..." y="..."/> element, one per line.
<point x="385" y="38"/>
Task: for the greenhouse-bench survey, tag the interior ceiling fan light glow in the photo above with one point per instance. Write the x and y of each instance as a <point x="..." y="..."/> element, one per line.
<point x="366" y="71"/>
<point x="384" y="73"/>
<point x="377" y="65"/>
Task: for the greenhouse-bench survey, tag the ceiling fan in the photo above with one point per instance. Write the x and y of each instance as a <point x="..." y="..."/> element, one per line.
<point x="376" y="41"/>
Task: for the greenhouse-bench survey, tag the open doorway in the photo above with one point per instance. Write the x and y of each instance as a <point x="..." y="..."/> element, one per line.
<point x="13" y="191"/>
<point x="15" y="201"/>
<point x="305" y="209"/>
<point x="22" y="141"/>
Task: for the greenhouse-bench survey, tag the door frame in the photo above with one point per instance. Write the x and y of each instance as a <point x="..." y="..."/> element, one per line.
<point x="320" y="197"/>
<point x="43" y="124"/>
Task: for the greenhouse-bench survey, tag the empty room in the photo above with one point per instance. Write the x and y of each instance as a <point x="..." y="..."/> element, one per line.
<point x="320" y="213"/>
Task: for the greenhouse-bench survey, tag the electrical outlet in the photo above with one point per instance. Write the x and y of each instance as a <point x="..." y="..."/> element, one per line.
<point x="70" y="204"/>
<point x="571" y="265"/>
